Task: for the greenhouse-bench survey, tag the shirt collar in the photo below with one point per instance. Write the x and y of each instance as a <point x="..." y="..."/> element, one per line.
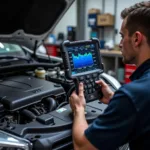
<point x="140" y="70"/>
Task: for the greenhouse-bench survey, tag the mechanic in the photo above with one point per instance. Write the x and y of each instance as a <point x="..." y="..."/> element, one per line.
<point x="127" y="117"/>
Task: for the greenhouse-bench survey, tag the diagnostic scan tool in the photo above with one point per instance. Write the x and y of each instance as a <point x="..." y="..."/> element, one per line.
<point x="82" y="63"/>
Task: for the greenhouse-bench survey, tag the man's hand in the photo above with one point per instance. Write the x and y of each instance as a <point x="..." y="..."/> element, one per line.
<point x="77" y="101"/>
<point x="107" y="92"/>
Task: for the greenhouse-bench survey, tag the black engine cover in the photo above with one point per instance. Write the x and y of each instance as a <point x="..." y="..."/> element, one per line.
<point x="21" y="91"/>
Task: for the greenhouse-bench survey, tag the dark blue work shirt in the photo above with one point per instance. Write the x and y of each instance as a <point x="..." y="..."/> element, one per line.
<point x="127" y="117"/>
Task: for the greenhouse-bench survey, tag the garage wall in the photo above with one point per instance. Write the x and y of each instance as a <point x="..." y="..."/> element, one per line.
<point x="121" y="5"/>
<point x="70" y="17"/>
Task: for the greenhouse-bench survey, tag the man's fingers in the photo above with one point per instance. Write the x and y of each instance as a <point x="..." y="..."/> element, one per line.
<point x="81" y="89"/>
<point x="102" y="83"/>
<point x="73" y="95"/>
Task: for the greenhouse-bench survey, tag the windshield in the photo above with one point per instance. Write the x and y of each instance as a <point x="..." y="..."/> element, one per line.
<point x="9" y="48"/>
<point x="12" y="53"/>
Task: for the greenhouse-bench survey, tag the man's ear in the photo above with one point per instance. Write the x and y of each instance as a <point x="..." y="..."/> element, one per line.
<point x="137" y="38"/>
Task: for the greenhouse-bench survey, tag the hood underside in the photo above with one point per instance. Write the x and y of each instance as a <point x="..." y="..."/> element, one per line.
<point x="29" y="22"/>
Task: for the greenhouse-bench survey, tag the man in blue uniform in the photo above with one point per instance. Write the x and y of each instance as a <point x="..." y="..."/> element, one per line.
<point x="127" y="117"/>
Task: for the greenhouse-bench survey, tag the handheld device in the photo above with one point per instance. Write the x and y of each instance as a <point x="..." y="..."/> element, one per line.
<point x="82" y="63"/>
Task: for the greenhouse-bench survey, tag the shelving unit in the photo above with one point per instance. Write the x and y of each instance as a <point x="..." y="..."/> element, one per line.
<point x="112" y="60"/>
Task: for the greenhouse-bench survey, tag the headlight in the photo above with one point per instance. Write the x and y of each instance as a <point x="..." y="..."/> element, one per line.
<point x="11" y="142"/>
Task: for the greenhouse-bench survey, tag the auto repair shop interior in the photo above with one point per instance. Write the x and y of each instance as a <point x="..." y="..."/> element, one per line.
<point x="42" y="59"/>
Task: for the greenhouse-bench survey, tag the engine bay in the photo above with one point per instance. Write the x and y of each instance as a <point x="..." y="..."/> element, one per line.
<point x="37" y="109"/>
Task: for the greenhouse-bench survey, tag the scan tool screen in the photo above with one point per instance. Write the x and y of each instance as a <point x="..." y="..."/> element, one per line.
<point x="83" y="58"/>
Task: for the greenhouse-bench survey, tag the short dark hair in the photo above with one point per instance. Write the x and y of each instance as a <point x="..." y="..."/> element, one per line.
<point x="138" y="19"/>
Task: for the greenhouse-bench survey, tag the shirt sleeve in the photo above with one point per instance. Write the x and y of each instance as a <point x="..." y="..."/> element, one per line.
<point x="111" y="129"/>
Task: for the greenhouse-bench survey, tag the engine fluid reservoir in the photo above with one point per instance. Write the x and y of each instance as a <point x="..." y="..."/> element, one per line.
<point x="62" y="73"/>
<point x="52" y="73"/>
<point x="40" y="73"/>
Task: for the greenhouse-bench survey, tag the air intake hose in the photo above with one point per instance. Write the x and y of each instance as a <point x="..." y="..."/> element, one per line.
<point x="51" y="103"/>
<point x="28" y="114"/>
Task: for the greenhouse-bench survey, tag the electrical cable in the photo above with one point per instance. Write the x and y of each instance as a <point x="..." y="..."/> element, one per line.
<point x="62" y="104"/>
<point x="67" y="97"/>
<point x="69" y="92"/>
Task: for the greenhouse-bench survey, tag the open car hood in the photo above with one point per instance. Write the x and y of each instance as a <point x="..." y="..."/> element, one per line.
<point x="29" y="22"/>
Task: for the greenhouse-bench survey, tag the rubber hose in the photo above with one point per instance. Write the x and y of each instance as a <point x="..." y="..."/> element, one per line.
<point x="28" y="114"/>
<point x="52" y="103"/>
<point x="27" y="66"/>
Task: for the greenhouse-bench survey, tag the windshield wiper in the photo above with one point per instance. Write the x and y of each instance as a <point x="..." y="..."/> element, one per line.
<point x="14" y="57"/>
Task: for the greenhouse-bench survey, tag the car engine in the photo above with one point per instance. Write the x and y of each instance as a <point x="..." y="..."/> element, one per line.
<point x="26" y="101"/>
<point x="24" y="97"/>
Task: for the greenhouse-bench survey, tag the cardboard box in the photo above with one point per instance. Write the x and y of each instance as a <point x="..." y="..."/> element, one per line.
<point x="105" y="20"/>
<point x="94" y="11"/>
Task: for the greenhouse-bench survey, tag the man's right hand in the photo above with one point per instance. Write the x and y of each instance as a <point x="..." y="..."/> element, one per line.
<point x="107" y="92"/>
